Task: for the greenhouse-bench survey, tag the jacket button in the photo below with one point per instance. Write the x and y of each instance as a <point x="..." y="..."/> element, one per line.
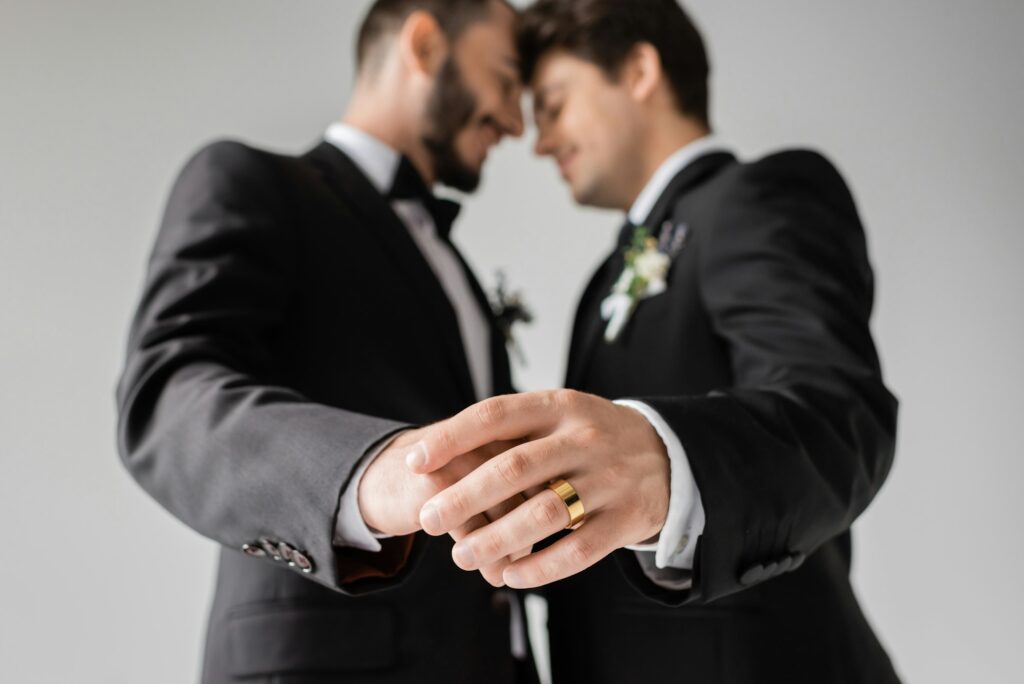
<point x="753" y="575"/>
<point x="301" y="561"/>
<point x="253" y="550"/>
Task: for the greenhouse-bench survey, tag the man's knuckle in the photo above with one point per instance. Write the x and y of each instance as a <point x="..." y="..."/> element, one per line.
<point x="614" y="472"/>
<point x="547" y="571"/>
<point x="590" y="434"/>
<point x="581" y="551"/>
<point x="548" y="513"/>
<point x="565" y="399"/>
<point x="510" y="467"/>
<point x="444" y="438"/>
<point x="491" y="545"/>
<point x="456" y="503"/>
<point x="491" y="412"/>
<point x="546" y="400"/>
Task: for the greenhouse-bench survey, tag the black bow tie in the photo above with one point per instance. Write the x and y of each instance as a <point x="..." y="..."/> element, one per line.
<point x="409" y="185"/>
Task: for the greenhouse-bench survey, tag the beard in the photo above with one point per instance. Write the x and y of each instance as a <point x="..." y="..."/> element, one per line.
<point x="450" y="109"/>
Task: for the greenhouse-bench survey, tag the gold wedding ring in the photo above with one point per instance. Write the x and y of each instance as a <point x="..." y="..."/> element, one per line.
<point x="567" y="493"/>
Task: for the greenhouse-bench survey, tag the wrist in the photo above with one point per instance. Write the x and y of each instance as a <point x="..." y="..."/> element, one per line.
<point x="382" y="492"/>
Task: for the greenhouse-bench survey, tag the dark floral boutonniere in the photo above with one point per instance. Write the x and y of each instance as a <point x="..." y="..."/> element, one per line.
<point x="509" y="309"/>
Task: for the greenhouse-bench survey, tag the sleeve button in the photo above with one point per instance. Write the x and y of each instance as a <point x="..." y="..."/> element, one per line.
<point x="302" y="562"/>
<point x="253" y="550"/>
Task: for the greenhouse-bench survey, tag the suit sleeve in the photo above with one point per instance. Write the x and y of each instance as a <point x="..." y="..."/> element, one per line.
<point x="788" y="455"/>
<point x="206" y="425"/>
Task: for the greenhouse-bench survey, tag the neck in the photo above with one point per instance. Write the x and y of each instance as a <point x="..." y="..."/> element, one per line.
<point x="374" y="112"/>
<point x="667" y="138"/>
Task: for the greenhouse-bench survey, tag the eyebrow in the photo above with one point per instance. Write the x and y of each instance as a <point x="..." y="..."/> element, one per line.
<point x="541" y="94"/>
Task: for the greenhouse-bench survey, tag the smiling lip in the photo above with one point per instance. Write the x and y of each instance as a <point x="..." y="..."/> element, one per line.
<point x="565" y="162"/>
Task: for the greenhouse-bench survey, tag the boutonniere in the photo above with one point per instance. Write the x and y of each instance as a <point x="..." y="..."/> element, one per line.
<point x="509" y="309"/>
<point x="648" y="260"/>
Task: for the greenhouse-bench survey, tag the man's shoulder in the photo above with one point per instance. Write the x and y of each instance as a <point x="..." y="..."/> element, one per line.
<point x="791" y="164"/>
<point x="797" y="174"/>
<point x="228" y="155"/>
<point x="799" y="170"/>
<point x="227" y="167"/>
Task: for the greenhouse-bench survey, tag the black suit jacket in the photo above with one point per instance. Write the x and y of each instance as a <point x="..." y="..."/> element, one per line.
<point x="760" y="358"/>
<point x="285" y="307"/>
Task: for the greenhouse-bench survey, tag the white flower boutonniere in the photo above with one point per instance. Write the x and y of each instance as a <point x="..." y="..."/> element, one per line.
<point x="644" y="276"/>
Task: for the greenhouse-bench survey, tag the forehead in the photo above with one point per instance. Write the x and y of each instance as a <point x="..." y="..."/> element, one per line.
<point x="560" y="68"/>
<point x="494" y="32"/>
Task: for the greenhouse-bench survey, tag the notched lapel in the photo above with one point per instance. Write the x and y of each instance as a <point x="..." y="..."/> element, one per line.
<point x="589" y="326"/>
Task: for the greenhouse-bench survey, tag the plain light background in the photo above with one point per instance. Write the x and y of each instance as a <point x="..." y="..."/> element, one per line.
<point x="919" y="102"/>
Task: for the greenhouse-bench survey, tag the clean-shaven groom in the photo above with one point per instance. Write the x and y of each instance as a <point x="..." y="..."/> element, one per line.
<point x="297" y="313"/>
<point x="734" y="311"/>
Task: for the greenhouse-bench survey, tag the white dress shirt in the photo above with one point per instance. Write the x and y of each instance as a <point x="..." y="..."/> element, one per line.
<point x="685" y="520"/>
<point x="379" y="163"/>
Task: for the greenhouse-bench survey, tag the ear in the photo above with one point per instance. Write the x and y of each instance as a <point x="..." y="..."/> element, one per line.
<point x="642" y="72"/>
<point x="422" y="44"/>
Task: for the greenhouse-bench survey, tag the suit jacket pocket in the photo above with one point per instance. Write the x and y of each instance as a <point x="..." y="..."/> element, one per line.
<point x="273" y="638"/>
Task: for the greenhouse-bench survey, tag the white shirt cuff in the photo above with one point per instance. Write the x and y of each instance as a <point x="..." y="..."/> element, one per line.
<point x="350" y="530"/>
<point x="685" y="520"/>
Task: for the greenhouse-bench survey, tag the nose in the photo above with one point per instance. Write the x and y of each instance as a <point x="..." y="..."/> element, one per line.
<point x="543" y="147"/>
<point x="512" y="118"/>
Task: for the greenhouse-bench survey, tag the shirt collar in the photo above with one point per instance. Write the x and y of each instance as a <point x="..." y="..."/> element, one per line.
<point x="669" y="169"/>
<point x="375" y="158"/>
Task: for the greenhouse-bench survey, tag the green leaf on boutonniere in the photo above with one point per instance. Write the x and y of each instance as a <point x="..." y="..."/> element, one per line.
<point x="644" y="275"/>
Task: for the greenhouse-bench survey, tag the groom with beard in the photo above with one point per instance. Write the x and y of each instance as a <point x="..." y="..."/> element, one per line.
<point x="299" y="312"/>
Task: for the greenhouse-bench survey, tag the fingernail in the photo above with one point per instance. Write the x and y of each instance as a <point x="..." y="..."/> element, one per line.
<point x="512" y="578"/>
<point x="417" y="458"/>
<point x="430" y="519"/>
<point x="463" y="557"/>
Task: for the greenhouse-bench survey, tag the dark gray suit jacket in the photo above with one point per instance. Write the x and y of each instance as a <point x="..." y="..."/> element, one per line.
<point x="289" y="323"/>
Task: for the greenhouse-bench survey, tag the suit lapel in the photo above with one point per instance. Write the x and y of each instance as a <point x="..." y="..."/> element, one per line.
<point x="588" y="326"/>
<point x="358" y="195"/>
<point x="500" y="368"/>
<point x="588" y="330"/>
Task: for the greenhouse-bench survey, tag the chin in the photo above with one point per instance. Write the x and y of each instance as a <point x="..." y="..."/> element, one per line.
<point x="585" y="195"/>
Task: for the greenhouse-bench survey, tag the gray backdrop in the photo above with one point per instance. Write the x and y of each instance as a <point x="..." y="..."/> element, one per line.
<point x="919" y="102"/>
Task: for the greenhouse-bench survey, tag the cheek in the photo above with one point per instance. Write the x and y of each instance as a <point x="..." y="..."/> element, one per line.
<point x="465" y="143"/>
<point x="470" y="145"/>
<point x="590" y="135"/>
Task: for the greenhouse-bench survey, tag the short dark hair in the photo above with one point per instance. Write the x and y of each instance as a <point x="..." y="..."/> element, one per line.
<point x="386" y="16"/>
<point x="604" y="32"/>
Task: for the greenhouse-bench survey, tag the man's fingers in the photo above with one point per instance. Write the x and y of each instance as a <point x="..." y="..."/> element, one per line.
<point x="507" y="537"/>
<point x="496" y="480"/>
<point x="566" y="557"/>
<point x="492" y="572"/>
<point x="522" y="553"/>
<point x="509" y="417"/>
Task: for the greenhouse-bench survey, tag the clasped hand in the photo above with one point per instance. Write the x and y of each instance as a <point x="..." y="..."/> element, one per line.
<point x="500" y="507"/>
